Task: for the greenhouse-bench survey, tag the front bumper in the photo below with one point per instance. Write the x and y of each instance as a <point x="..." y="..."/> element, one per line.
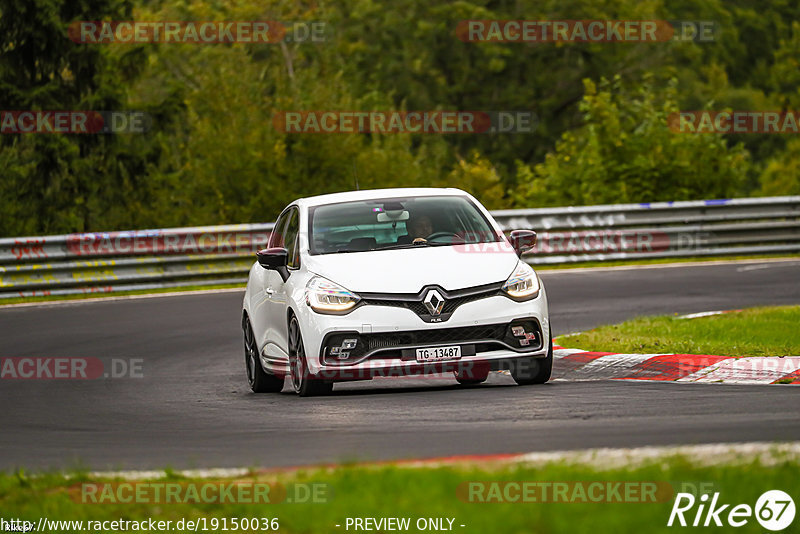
<point x="395" y="333"/>
<point x="346" y="349"/>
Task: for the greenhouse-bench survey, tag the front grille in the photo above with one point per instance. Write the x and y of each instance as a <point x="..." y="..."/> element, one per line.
<point x="419" y="308"/>
<point x="415" y="303"/>
<point x="393" y="345"/>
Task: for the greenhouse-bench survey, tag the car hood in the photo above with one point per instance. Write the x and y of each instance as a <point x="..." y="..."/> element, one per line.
<point x="409" y="270"/>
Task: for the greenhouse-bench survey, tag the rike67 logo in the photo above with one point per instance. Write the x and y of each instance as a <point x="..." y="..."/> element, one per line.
<point x="774" y="510"/>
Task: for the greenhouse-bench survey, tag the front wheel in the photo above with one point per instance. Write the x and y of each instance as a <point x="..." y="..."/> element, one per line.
<point x="257" y="378"/>
<point x="527" y="371"/>
<point x="304" y="383"/>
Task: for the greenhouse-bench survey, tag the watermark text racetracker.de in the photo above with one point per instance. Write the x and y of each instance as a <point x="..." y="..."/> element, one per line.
<point x="573" y="491"/>
<point x="399" y="122"/>
<point x="205" y="492"/>
<point x="577" y="491"/>
<point x="197" y="32"/>
<point x="735" y="122"/>
<point x="600" y="241"/>
<point x="69" y="368"/>
<point x="586" y="31"/>
<point x="166" y="242"/>
<point x="74" y="122"/>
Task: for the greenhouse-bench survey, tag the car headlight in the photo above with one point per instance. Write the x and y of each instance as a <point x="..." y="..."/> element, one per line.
<point x="523" y="284"/>
<point x="325" y="296"/>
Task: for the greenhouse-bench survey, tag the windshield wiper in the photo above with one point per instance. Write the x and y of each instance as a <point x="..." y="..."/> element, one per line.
<point x="399" y="246"/>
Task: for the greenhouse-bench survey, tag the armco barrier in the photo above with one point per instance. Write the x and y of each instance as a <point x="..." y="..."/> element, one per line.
<point x="147" y="259"/>
<point x="768" y="225"/>
<point x="105" y="262"/>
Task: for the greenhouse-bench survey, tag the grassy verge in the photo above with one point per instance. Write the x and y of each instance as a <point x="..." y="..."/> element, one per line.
<point x="84" y="296"/>
<point x="659" y="261"/>
<point x="770" y="331"/>
<point x="426" y="493"/>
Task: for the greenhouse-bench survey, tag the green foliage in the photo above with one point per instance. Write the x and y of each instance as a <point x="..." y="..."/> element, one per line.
<point x="477" y="176"/>
<point x="624" y="153"/>
<point x="781" y="175"/>
<point x="213" y="155"/>
<point x="62" y="183"/>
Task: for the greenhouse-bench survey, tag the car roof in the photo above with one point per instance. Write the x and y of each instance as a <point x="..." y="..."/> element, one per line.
<point x="369" y="194"/>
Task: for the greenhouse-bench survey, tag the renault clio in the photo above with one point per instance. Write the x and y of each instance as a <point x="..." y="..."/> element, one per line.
<point x="393" y="282"/>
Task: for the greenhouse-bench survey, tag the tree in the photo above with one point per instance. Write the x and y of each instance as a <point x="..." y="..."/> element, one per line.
<point x="625" y="152"/>
<point x="74" y="182"/>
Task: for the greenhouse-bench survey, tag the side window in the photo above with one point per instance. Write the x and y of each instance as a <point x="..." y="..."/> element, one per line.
<point x="276" y="238"/>
<point x="290" y="239"/>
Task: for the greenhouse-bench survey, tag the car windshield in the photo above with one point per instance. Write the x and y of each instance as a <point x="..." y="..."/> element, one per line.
<point x="385" y="224"/>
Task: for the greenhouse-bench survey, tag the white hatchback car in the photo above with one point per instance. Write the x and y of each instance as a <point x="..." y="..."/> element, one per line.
<point x="393" y="282"/>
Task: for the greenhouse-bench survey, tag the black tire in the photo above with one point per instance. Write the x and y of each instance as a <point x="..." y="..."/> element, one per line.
<point x="304" y="383"/>
<point x="533" y="370"/>
<point x="473" y="376"/>
<point x="259" y="380"/>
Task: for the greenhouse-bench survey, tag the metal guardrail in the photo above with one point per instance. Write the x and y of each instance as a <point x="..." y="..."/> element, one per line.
<point x="768" y="225"/>
<point x="107" y="262"/>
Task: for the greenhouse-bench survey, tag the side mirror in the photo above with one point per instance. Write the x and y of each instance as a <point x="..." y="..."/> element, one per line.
<point x="274" y="259"/>
<point x="522" y="240"/>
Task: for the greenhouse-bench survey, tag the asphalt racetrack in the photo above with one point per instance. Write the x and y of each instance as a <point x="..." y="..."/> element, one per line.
<point x="192" y="408"/>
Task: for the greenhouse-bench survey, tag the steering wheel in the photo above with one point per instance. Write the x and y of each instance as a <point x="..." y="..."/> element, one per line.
<point x="441" y="234"/>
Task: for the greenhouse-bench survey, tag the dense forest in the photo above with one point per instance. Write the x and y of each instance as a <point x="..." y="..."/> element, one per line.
<point x="213" y="155"/>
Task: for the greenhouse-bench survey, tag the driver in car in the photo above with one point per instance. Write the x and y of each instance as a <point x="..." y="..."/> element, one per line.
<point x="418" y="227"/>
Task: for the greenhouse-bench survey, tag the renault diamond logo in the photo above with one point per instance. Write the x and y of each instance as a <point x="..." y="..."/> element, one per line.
<point x="433" y="302"/>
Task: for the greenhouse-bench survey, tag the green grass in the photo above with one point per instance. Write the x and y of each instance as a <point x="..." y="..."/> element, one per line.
<point x="83" y="296"/>
<point x="412" y="492"/>
<point x="771" y="331"/>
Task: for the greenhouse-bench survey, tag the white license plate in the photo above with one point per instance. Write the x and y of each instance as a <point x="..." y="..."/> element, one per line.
<point x="435" y="354"/>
